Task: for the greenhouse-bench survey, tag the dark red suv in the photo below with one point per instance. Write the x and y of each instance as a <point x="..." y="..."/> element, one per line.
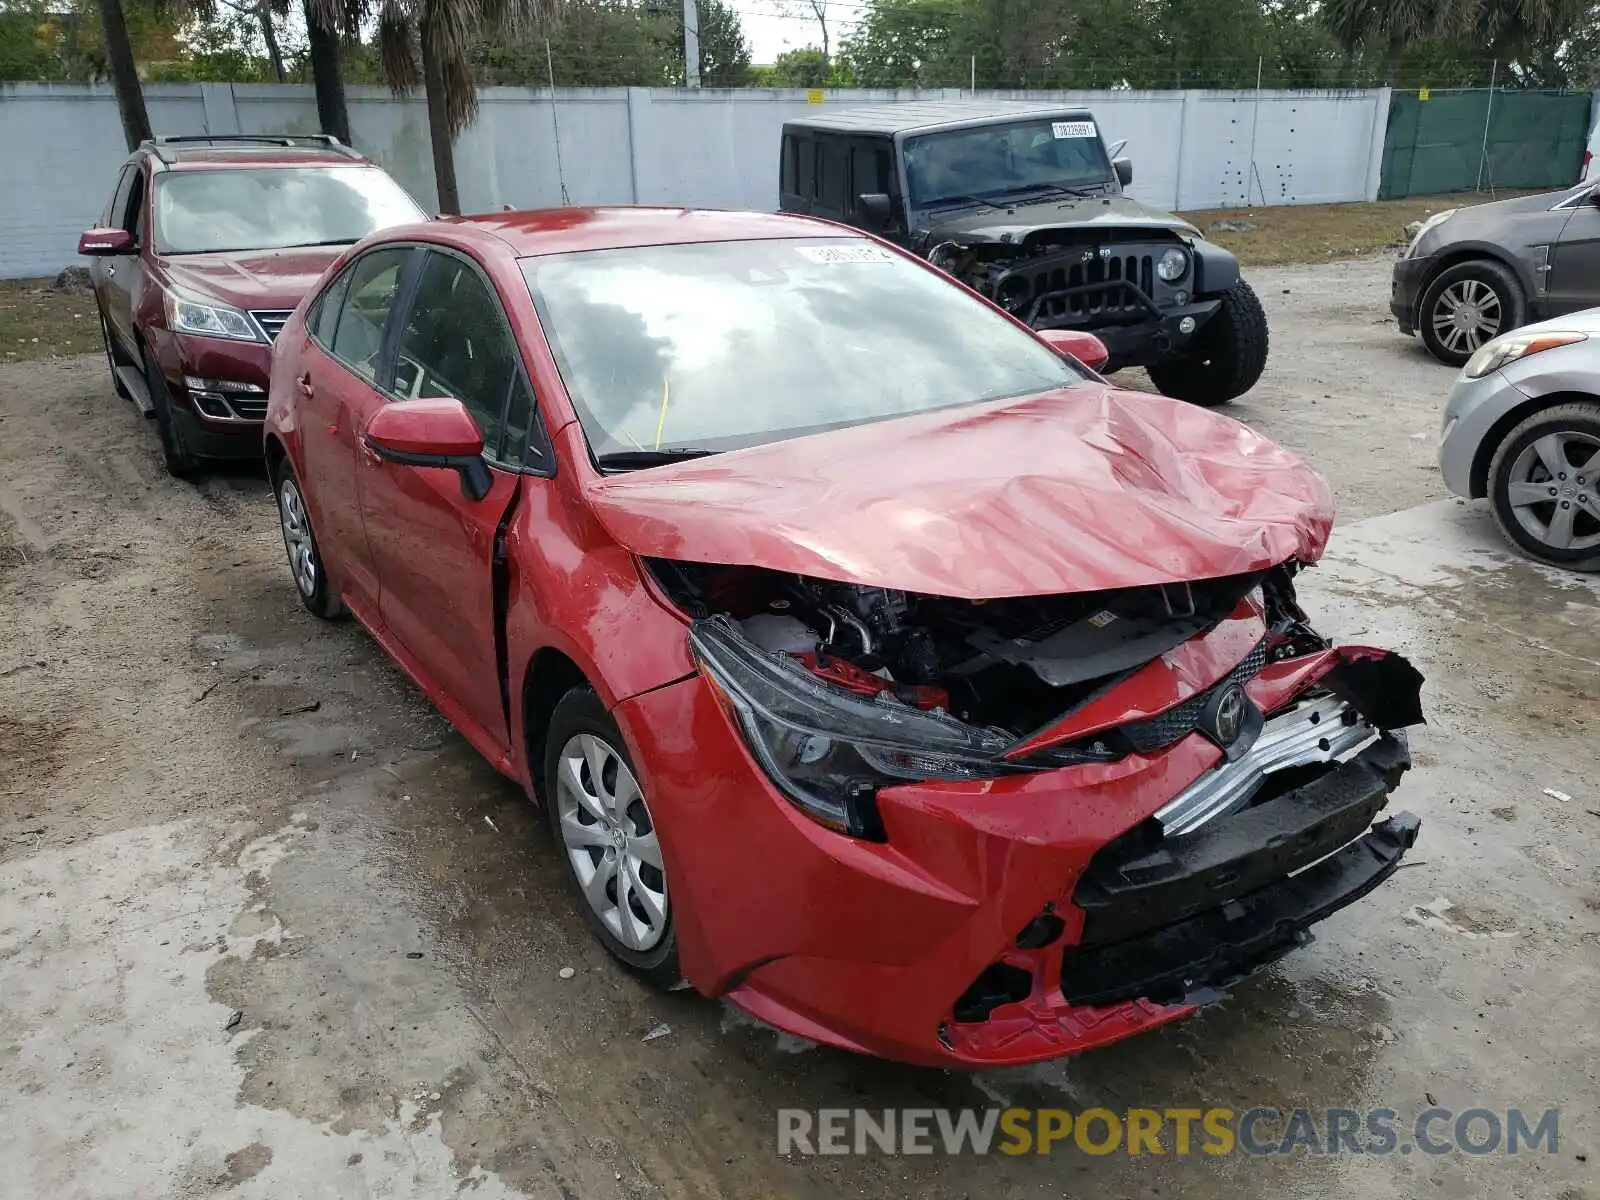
<point x="205" y="247"/>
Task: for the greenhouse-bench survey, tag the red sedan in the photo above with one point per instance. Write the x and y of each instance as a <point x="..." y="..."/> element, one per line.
<point x="882" y="669"/>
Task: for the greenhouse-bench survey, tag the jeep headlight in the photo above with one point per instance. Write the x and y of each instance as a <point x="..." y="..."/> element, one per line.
<point x="1173" y="265"/>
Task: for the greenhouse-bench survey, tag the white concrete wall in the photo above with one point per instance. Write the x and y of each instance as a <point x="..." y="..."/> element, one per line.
<point x="63" y="143"/>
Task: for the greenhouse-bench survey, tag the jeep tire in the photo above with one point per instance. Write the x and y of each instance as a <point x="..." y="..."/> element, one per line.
<point x="1224" y="359"/>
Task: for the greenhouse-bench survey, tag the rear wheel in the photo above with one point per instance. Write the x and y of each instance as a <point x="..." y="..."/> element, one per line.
<point x="606" y="835"/>
<point x="1465" y="306"/>
<point x="111" y="360"/>
<point x="1544" y="486"/>
<point x="300" y="543"/>
<point x="1225" y="359"/>
<point x="181" y="464"/>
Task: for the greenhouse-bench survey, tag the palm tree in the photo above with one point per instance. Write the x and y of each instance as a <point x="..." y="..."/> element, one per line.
<point x="124" y="73"/>
<point x="426" y="42"/>
<point x="323" y="23"/>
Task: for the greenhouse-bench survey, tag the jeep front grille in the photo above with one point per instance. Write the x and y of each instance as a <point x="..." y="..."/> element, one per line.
<point x="1094" y="288"/>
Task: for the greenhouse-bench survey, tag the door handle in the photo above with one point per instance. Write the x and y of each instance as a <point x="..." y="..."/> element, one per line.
<point x="110" y="270"/>
<point x="304" y="384"/>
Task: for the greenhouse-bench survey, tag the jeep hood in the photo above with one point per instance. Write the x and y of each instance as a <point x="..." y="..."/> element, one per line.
<point x="1015" y="223"/>
<point x="1081" y="489"/>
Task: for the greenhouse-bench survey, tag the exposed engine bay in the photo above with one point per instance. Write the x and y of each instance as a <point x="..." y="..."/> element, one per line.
<point x="1008" y="665"/>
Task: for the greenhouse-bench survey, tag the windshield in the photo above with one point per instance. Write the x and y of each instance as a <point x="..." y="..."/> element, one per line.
<point x="993" y="160"/>
<point x="732" y="344"/>
<point x="266" y="208"/>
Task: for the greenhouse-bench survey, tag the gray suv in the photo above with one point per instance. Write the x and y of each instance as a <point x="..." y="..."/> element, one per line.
<point x="1024" y="204"/>
<point x="1473" y="273"/>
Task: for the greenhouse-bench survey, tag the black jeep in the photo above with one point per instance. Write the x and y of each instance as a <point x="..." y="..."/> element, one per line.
<point x="1024" y="204"/>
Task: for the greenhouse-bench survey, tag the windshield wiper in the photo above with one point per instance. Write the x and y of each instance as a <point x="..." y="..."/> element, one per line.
<point x="1086" y="192"/>
<point x="635" y="460"/>
<point x="945" y="200"/>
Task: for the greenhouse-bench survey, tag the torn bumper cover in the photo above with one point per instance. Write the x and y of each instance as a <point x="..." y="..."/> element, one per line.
<point x="1023" y="917"/>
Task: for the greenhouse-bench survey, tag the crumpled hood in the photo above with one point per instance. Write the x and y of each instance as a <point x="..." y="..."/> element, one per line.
<point x="1077" y="490"/>
<point x="265" y="279"/>
<point x="976" y="226"/>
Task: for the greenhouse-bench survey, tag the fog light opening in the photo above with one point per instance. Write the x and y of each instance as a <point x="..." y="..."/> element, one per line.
<point x="1186" y="325"/>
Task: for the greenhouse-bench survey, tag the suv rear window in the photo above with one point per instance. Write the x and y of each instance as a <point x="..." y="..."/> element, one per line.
<point x="267" y="208"/>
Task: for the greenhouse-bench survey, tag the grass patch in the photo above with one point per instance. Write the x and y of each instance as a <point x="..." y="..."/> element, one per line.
<point x="36" y="321"/>
<point x="1313" y="233"/>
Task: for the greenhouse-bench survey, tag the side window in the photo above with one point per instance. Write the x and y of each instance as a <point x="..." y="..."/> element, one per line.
<point x="374" y="280"/>
<point x="119" y="197"/>
<point x="456" y="342"/>
<point x="869" y="171"/>
<point x="323" y="318"/>
<point x="133" y="215"/>
<point x="833" y="169"/>
<point x="807" y="168"/>
<point x="791" y="164"/>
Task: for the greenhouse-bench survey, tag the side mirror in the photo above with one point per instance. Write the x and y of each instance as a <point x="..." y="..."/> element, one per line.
<point x="103" y="243"/>
<point x="1078" y="345"/>
<point x="434" y="432"/>
<point x="875" y="210"/>
<point x="1124" y="169"/>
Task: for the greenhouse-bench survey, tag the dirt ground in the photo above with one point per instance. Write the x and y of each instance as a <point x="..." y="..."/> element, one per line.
<point x="269" y="928"/>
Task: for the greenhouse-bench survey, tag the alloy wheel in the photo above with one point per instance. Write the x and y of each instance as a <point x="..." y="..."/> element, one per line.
<point x="1467" y="314"/>
<point x="611" y="840"/>
<point x="1553" y="490"/>
<point x="297" y="537"/>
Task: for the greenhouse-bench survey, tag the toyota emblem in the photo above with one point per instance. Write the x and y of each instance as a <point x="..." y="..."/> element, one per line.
<point x="1229" y="719"/>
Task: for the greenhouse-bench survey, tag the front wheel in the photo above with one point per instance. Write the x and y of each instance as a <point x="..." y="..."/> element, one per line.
<point x="606" y="836"/>
<point x="300" y="543"/>
<point x="181" y="464"/>
<point x="1225" y="359"/>
<point x="1544" y="486"/>
<point x="1465" y="306"/>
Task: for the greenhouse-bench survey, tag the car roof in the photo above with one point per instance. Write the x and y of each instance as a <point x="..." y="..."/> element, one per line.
<point x="563" y="230"/>
<point x="200" y="152"/>
<point x="934" y="114"/>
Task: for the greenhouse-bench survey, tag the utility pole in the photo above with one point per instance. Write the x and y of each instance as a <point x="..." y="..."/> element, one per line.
<point x="691" y="43"/>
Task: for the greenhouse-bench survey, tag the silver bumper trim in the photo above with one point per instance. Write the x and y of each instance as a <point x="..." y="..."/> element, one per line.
<point x="1315" y="731"/>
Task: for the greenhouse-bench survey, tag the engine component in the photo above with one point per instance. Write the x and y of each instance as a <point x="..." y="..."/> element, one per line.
<point x="865" y="683"/>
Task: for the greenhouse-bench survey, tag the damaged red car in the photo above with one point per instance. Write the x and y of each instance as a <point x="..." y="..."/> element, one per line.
<point x="883" y="670"/>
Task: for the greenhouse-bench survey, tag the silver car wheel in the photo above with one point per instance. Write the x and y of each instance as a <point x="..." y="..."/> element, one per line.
<point x="611" y="841"/>
<point x="297" y="538"/>
<point x="1554" y="499"/>
<point x="1467" y="314"/>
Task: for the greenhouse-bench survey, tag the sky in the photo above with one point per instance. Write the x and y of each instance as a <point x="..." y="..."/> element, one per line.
<point x="772" y="27"/>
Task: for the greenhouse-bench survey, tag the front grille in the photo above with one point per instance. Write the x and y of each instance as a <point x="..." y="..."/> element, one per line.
<point x="272" y="320"/>
<point x="249" y="408"/>
<point x="1181" y="720"/>
<point x="1136" y="269"/>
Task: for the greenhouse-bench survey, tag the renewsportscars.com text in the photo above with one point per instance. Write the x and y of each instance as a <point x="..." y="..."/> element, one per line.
<point x="1168" y="1131"/>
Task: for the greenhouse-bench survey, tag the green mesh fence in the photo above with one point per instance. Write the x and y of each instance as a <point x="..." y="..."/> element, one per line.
<point x="1436" y="144"/>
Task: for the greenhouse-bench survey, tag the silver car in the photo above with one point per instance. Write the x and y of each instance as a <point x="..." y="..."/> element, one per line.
<point x="1473" y="273"/>
<point x="1522" y="429"/>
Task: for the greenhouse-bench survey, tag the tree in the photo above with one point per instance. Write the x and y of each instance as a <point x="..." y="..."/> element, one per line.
<point x="430" y="43"/>
<point x="906" y="43"/>
<point x="724" y="52"/>
<point x="811" y="10"/>
<point x="806" y="68"/>
<point x="324" y="18"/>
<point x="124" y="74"/>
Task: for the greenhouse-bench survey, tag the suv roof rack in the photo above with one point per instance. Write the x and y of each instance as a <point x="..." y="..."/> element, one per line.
<point x="160" y="145"/>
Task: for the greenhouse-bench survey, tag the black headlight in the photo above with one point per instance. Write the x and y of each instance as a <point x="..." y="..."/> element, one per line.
<point x="829" y="750"/>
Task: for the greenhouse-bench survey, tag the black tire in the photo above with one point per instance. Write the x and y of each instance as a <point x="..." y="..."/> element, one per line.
<point x="577" y="713"/>
<point x="111" y="360"/>
<point x="320" y="598"/>
<point x="1225" y="359"/>
<point x="1581" y="498"/>
<point x="181" y="464"/>
<point x="1510" y="306"/>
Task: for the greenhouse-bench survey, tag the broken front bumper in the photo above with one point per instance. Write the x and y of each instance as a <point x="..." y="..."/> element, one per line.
<point x="1006" y="920"/>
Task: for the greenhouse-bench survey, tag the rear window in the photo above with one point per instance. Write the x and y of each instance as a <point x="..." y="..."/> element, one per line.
<point x="269" y="208"/>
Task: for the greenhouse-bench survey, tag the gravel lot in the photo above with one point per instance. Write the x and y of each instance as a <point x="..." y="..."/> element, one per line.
<point x="269" y="927"/>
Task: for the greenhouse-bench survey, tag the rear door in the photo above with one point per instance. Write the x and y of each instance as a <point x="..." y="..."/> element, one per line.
<point x="337" y="393"/>
<point x="433" y="546"/>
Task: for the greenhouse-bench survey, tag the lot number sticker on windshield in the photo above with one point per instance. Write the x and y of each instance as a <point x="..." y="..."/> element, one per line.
<point x="1072" y="129"/>
<point x="833" y="255"/>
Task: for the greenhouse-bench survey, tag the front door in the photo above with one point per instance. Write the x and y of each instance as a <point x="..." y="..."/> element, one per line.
<point x="114" y="274"/>
<point x="433" y="546"/>
<point x="337" y="395"/>
<point x="1575" y="262"/>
